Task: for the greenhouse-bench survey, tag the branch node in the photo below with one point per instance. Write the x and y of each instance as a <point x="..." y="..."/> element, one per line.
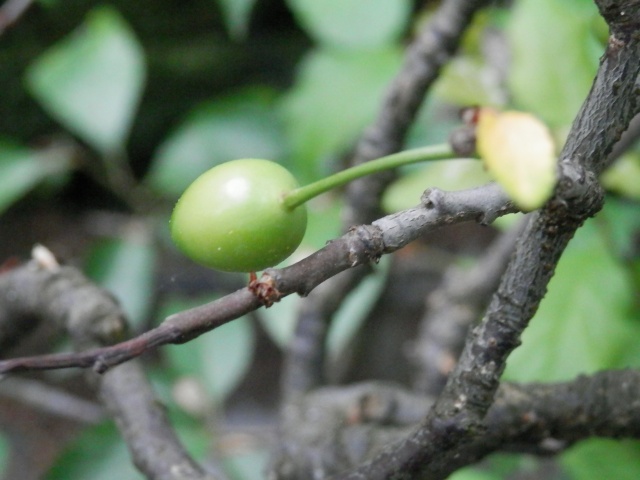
<point x="487" y="217"/>
<point x="578" y="190"/>
<point x="100" y="365"/>
<point x="44" y="258"/>
<point x="371" y="246"/>
<point x="432" y="197"/>
<point x="265" y="289"/>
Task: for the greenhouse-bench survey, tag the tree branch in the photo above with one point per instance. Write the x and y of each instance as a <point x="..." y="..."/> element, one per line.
<point x="336" y="428"/>
<point x="456" y="418"/>
<point x="52" y="400"/>
<point x="427" y="54"/>
<point x="451" y="310"/>
<point x="43" y="289"/>
<point x="305" y="360"/>
<point x="360" y="246"/>
<point x="155" y="448"/>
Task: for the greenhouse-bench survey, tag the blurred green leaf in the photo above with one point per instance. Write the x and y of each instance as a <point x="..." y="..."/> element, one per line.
<point x="241" y="125"/>
<point x="246" y="465"/>
<point x="323" y="222"/>
<point x="279" y="321"/>
<point x="542" y="81"/>
<point x="467" y="80"/>
<point x="318" y="123"/>
<point x="226" y="355"/>
<point x="21" y="169"/>
<point x="237" y="14"/>
<point x="449" y="175"/>
<point x="472" y="473"/>
<point x="352" y="23"/>
<point x="508" y="465"/>
<point x="92" y="81"/>
<point x="583" y="324"/>
<point x="126" y="267"/>
<point x="620" y="223"/>
<point x="624" y="176"/>
<point x="220" y="358"/>
<point x="4" y="452"/>
<point x="355" y="308"/>
<point x="596" y="459"/>
<point x="99" y="454"/>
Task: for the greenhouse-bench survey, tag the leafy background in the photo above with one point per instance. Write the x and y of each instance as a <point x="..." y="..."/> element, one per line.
<point x="110" y="110"/>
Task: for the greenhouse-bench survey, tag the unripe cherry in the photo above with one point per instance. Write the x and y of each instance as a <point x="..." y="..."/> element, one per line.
<point x="232" y="218"/>
<point x="246" y="215"/>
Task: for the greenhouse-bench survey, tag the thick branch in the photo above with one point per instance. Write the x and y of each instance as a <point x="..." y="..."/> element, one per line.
<point x="92" y="317"/>
<point x="142" y="420"/>
<point x="456" y="418"/>
<point x="451" y="310"/>
<point x="336" y="428"/>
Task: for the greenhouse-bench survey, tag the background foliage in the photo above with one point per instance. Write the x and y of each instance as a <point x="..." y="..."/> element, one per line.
<point x="110" y="110"/>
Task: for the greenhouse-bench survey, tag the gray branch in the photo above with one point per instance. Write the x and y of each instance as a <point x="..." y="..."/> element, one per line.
<point x="360" y="246"/>
<point x="457" y="416"/>
<point x="336" y="428"/>
<point x="452" y="308"/>
<point x="434" y="46"/>
<point x="44" y="291"/>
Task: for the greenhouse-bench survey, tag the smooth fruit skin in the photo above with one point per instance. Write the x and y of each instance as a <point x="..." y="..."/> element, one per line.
<point x="231" y="218"/>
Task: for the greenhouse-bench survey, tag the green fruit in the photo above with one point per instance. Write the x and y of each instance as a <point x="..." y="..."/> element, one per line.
<point x="232" y="218"/>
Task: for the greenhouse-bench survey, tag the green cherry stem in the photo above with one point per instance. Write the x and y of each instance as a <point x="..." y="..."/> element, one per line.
<point x="300" y="195"/>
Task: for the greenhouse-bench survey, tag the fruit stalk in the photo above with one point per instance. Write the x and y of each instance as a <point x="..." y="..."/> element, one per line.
<point x="301" y="195"/>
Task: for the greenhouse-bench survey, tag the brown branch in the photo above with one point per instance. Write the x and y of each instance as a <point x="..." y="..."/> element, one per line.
<point x="360" y="246"/>
<point x="129" y="397"/>
<point x="456" y="418"/>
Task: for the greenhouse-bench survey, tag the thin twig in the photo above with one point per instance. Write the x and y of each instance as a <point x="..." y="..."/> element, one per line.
<point x="434" y="46"/>
<point x="361" y="245"/>
<point x="51" y="399"/>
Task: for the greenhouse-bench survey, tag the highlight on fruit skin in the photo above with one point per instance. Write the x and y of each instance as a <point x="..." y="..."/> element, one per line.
<point x="231" y="218"/>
